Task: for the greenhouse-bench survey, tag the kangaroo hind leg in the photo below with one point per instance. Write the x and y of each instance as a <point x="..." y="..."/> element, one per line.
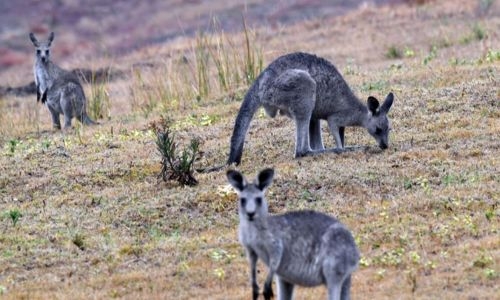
<point x="315" y="135"/>
<point x="294" y="91"/>
<point x="285" y="289"/>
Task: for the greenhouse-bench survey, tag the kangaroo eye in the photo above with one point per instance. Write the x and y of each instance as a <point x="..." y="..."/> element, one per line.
<point x="46" y="52"/>
<point x="243" y="201"/>
<point x="38" y="51"/>
<point x="258" y="200"/>
<point x="378" y="130"/>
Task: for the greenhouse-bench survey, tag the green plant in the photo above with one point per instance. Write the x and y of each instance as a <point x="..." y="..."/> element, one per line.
<point x="14" y="215"/>
<point x="374" y="86"/>
<point x="431" y="55"/>
<point x="490" y="273"/>
<point x="478" y="32"/>
<point x="175" y="166"/>
<point x="12" y="145"/>
<point x="393" y="52"/>
<point x="79" y="241"/>
<point x="489" y="214"/>
<point x="492" y="56"/>
<point x="408" y="52"/>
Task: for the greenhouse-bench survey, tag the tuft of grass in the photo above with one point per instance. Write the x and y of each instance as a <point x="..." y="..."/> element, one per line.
<point x="253" y="65"/>
<point x="99" y="105"/>
<point x="430" y="56"/>
<point x="213" y="67"/>
<point x="14" y="215"/>
<point x="478" y="33"/>
<point x="143" y="99"/>
<point x="202" y="68"/>
<point x="374" y="86"/>
<point x="13" y="145"/>
<point x="393" y="52"/>
<point x="78" y="240"/>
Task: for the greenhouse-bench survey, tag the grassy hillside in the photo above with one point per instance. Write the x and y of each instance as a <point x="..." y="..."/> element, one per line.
<point x="83" y="213"/>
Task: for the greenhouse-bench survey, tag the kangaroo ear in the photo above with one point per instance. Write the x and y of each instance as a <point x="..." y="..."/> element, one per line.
<point x="51" y="38"/>
<point x="373" y="104"/>
<point x="236" y="180"/>
<point x="387" y="103"/>
<point x="34" y="40"/>
<point x="265" y="178"/>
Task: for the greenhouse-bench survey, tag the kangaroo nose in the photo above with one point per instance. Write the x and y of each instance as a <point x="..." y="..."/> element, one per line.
<point x="383" y="146"/>
<point x="250" y="215"/>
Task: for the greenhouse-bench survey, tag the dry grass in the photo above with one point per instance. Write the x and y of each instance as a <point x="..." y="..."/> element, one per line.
<point x="97" y="223"/>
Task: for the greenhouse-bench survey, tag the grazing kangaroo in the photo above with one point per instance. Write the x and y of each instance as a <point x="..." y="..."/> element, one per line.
<point x="60" y="89"/>
<point x="302" y="247"/>
<point x="308" y="89"/>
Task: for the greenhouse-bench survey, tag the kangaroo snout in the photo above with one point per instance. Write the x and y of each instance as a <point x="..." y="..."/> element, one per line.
<point x="383" y="145"/>
<point x="250" y="215"/>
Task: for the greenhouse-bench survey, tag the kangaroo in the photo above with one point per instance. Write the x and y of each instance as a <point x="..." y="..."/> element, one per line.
<point x="304" y="248"/>
<point x="308" y="89"/>
<point x="59" y="89"/>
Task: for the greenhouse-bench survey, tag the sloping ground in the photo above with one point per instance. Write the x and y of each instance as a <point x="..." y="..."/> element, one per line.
<point x="96" y="222"/>
<point x="85" y="29"/>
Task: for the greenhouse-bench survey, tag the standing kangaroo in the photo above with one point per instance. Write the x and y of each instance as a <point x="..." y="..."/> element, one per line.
<point x="60" y="89"/>
<point x="303" y="247"/>
<point x="308" y="89"/>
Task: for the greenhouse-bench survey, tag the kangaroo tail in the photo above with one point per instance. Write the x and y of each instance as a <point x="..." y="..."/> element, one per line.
<point x="248" y="108"/>
<point x="86" y="120"/>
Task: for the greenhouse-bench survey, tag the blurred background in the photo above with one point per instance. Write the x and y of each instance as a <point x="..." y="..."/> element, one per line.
<point x="107" y="27"/>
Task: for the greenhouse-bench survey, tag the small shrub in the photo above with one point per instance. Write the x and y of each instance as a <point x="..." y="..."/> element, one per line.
<point x="175" y="166"/>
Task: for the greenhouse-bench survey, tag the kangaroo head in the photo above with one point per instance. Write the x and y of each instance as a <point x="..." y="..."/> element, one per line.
<point x="42" y="49"/>
<point x="252" y="203"/>
<point x="378" y="124"/>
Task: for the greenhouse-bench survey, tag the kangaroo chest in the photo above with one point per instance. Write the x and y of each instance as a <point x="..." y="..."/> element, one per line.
<point x="42" y="77"/>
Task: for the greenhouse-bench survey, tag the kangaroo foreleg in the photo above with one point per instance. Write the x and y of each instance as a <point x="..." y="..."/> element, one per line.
<point x="252" y="259"/>
<point x="302" y="146"/>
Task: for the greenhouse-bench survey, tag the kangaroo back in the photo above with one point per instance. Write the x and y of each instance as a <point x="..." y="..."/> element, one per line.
<point x="307" y="79"/>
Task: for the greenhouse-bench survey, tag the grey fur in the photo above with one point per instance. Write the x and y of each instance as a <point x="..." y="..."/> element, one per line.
<point x="304" y="248"/>
<point x="60" y="89"/>
<point x="309" y="89"/>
